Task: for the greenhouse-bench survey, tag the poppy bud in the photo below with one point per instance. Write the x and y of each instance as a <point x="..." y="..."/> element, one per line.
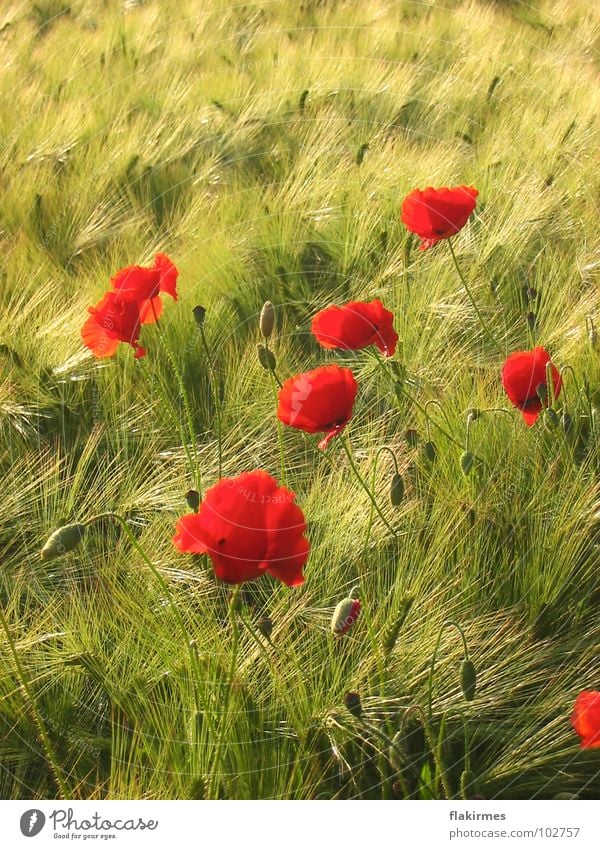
<point x="531" y="293"/>
<point x="266" y="357"/>
<point x="265" y="626"/>
<point x="542" y="392"/>
<point x="550" y="417"/>
<point x="267" y="319"/>
<point x="531" y="320"/>
<point x="412" y="437"/>
<point x="345" y="615"/>
<point x="62" y="540"/>
<point x="397" y="490"/>
<point x="468" y="679"/>
<point x="430" y="451"/>
<point x="466" y="462"/>
<point x="193" y="499"/>
<point x="199" y="315"/>
<point x="473" y="414"/>
<point x="353" y="703"/>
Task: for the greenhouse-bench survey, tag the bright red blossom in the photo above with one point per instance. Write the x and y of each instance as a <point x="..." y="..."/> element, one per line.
<point x="355" y="325"/>
<point x="143" y="285"/>
<point x="585" y="718"/>
<point x="248" y="525"/>
<point x="435" y="214"/>
<point x="318" y="401"/>
<point x="111" y="322"/>
<point x="522" y="373"/>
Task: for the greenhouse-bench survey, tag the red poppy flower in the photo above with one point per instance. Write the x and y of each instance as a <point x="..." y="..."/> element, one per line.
<point x="248" y="525"/>
<point x="110" y="322"/>
<point x="435" y="214"/>
<point x="142" y="284"/>
<point x="585" y="718"/>
<point x="318" y="401"/>
<point x="357" y="324"/>
<point x="522" y="373"/>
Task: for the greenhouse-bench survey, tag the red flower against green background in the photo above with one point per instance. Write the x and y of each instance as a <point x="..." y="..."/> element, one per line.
<point x="435" y="214"/>
<point x="356" y="325"/>
<point x="144" y="284"/>
<point x="523" y="372"/>
<point x="318" y="401"/>
<point x="248" y="525"/>
<point x="585" y="718"/>
<point x="111" y="322"/>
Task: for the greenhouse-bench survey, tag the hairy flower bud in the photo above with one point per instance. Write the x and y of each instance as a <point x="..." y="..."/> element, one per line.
<point x="397" y="489"/>
<point x="199" y="315"/>
<point x="193" y="499"/>
<point x="468" y="679"/>
<point x="63" y="540"/>
<point x="267" y="319"/>
<point x="353" y="703"/>
<point x="412" y="437"/>
<point x="430" y="451"/>
<point x="345" y="615"/>
<point x="265" y="626"/>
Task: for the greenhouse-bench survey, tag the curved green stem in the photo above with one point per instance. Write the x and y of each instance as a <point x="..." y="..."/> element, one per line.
<point x="480" y="317"/>
<point x="359" y="478"/>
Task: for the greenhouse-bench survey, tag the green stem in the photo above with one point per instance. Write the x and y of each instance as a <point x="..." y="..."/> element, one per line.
<point x="37" y="717"/>
<point x="216" y="399"/>
<point x="218" y="760"/>
<point x="275" y="383"/>
<point x="373" y="481"/>
<point x="359" y="478"/>
<point x="480" y="317"/>
<point x="186" y="404"/>
<point x="449" y="623"/>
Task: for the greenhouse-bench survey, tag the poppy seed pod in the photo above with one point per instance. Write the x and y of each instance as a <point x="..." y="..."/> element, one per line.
<point x="345" y="615"/>
<point x="266" y="357"/>
<point x="353" y="703"/>
<point x="267" y="319"/>
<point x="468" y="679"/>
<point x="430" y="451"/>
<point x="466" y="462"/>
<point x="193" y="499"/>
<point x="199" y="315"/>
<point x="63" y="540"/>
<point x="397" y="490"/>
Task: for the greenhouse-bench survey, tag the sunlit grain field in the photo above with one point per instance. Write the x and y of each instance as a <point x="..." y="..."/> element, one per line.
<point x="266" y="148"/>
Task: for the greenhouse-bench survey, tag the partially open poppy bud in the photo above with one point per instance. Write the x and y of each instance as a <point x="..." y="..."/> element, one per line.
<point x="267" y="319"/>
<point x="266" y="357"/>
<point x="430" y="451"/>
<point x="63" y="540"/>
<point x="265" y="626"/>
<point x="193" y="499"/>
<point x="466" y="462"/>
<point x="353" y="703"/>
<point x="412" y="437"/>
<point x="345" y="615"/>
<point x="397" y="489"/>
<point x="199" y="315"/>
<point x="468" y="679"/>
